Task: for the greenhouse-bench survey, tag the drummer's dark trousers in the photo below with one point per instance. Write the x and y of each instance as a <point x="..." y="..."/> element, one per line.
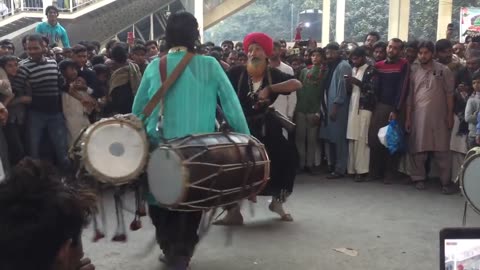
<point x="176" y="232"/>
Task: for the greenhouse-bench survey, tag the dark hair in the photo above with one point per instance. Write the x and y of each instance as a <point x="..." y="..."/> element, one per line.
<point x="476" y="76"/>
<point x="87" y="44"/>
<point x="427" y="44"/>
<point x="49" y="8"/>
<point x="39" y="213"/>
<point x="119" y="52"/>
<point x="373" y="34"/>
<point x="359" y="52"/>
<point x="110" y="44"/>
<point x="209" y="44"/>
<point x="182" y="30"/>
<point x="443" y="44"/>
<point x="151" y="42"/>
<point x="97" y="59"/>
<point x="7" y="58"/>
<point x="239" y="44"/>
<point x="96" y="44"/>
<point x="295" y="58"/>
<point x="397" y="40"/>
<point x="138" y="48"/>
<point x="277" y="45"/>
<point x="7" y="42"/>
<point x="24" y="39"/>
<point x="35" y="37"/>
<point x="66" y="64"/>
<point x="332" y="46"/>
<point x="317" y="50"/>
<point x="216" y="49"/>
<point x="79" y="49"/>
<point x="46" y="40"/>
<point x="242" y="54"/>
<point x="229" y="42"/>
<point x="101" y="69"/>
<point x="413" y="44"/>
<point x="450" y="25"/>
<point x="380" y="44"/>
<point x="216" y="55"/>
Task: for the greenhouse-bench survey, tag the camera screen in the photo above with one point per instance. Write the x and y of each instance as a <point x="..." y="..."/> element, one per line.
<point x="462" y="254"/>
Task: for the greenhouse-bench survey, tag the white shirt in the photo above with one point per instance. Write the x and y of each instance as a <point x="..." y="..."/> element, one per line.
<point x="286" y="103"/>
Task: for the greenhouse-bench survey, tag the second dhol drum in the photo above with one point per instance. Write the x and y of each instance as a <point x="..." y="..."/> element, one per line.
<point x="469" y="177"/>
<point x="200" y="172"/>
<point x="113" y="150"/>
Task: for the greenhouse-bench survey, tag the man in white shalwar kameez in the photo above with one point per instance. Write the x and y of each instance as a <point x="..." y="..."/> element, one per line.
<point x="364" y="85"/>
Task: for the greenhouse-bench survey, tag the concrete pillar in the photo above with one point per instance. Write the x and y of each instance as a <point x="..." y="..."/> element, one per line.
<point x="325" y="22"/>
<point x="398" y="18"/>
<point x="444" y="17"/>
<point x="199" y="15"/>
<point x="340" y="22"/>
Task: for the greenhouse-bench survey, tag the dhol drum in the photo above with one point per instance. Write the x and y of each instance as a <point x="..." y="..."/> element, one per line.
<point x="113" y="150"/>
<point x="201" y="172"/>
<point x="469" y="177"/>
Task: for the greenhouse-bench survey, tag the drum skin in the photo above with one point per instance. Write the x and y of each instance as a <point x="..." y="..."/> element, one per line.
<point x="470" y="178"/>
<point x="114" y="150"/>
<point x="205" y="171"/>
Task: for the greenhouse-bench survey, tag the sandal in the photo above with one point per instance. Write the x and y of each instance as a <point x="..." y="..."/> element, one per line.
<point x="449" y="189"/>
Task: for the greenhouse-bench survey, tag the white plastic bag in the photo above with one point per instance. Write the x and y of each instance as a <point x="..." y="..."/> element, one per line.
<point x="382" y="135"/>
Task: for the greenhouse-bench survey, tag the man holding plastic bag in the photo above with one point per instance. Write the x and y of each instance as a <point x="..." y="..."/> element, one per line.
<point x="430" y="116"/>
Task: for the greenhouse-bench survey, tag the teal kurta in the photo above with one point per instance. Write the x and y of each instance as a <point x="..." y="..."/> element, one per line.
<point x="190" y="104"/>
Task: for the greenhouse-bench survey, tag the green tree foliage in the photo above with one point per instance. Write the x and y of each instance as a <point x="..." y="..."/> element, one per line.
<point x="362" y="16"/>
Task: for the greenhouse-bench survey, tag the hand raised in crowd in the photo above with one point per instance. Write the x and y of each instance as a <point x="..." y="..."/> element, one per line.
<point x="3" y="116"/>
<point x="86" y="264"/>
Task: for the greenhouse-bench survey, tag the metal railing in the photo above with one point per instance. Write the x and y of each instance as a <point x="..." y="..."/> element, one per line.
<point x="12" y="7"/>
<point x="73" y="5"/>
<point x="7" y="8"/>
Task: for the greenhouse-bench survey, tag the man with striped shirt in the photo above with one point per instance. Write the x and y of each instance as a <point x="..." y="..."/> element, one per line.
<point x="42" y="76"/>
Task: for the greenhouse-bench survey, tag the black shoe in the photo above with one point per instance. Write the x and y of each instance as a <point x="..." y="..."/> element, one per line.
<point x="359" y="178"/>
<point x="335" y="175"/>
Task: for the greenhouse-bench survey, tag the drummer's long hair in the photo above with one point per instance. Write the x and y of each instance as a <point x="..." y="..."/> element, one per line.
<point x="182" y="30"/>
<point x="39" y="214"/>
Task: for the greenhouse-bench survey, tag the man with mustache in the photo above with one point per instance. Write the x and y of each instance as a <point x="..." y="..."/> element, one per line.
<point x="258" y="86"/>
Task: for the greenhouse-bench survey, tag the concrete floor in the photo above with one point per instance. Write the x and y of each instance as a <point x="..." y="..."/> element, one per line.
<point x="392" y="227"/>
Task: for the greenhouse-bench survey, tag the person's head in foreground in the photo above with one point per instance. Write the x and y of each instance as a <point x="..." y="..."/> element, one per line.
<point x="42" y="220"/>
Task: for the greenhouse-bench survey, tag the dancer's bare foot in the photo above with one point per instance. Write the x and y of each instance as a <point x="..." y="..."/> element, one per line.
<point x="232" y="218"/>
<point x="277" y="207"/>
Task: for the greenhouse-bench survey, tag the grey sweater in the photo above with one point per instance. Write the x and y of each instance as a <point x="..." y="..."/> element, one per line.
<point x="471" y="113"/>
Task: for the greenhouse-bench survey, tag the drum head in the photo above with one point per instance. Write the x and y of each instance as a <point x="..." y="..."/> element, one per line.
<point x="471" y="181"/>
<point x="115" y="151"/>
<point x="167" y="177"/>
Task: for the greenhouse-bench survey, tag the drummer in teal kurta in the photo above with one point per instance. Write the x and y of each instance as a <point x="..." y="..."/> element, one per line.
<point x="189" y="108"/>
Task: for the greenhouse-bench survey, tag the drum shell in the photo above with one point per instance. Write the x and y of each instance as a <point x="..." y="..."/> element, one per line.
<point x="217" y="174"/>
<point x="84" y="138"/>
<point x="472" y="155"/>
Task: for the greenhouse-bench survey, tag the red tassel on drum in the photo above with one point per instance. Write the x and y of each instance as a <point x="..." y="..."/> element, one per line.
<point x="120" y="238"/>
<point x="136" y="225"/>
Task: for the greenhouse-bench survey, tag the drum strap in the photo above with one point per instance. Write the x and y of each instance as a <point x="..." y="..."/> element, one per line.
<point x="167" y="82"/>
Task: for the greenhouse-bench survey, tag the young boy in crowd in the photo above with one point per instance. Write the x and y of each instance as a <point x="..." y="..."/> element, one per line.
<point x="138" y="56"/>
<point x="17" y="108"/>
<point x="76" y="100"/>
<point x="472" y="111"/>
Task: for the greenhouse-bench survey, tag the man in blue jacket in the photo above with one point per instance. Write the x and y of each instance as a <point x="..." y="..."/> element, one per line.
<point x="52" y="29"/>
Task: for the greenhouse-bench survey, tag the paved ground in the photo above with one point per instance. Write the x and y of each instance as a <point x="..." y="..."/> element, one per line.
<point x="392" y="227"/>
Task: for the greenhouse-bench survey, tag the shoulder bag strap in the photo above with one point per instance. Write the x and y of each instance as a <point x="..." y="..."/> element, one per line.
<point x="166" y="83"/>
